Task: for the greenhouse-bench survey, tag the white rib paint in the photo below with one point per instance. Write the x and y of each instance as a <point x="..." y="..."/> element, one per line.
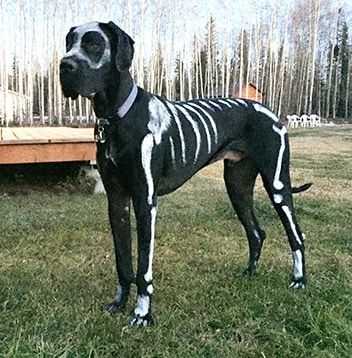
<point x="211" y="120"/>
<point x="204" y="125"/>
<point x="179" y="127"/>
<point x="147" y="149"/>
<point x="205" y="104"/>
<point x="215" y="105"/>
<point x="149" y="274"/>
<point x="194" y="125"/>
<point x="150" y="289"/>
<point x="160" y="119"/>
<point x="76" y="49"/>
<point x="172" y="148"/>
<point x="278" y="198"/>
<point x="241" y="101"/>
<point x="225" y="103"/>
<point x="298" y="264"/>
<point x="142" y="307"/>
<point x="259" y="108"/>
<point x="288" y="214"/>
<point x="231" y="101"/>
<point x="278" y="185"/>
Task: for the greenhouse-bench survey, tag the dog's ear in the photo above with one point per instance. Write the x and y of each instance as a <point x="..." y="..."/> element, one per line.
<point x="124" y="48"/>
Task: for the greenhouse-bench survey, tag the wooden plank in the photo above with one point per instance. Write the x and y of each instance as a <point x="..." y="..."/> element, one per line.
<point x="8" y="135"/>
<point x="27" y="135"/>
<point x="47" y="152"/>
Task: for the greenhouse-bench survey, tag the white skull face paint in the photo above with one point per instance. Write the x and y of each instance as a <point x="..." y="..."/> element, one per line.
<point x="90" y="44"/>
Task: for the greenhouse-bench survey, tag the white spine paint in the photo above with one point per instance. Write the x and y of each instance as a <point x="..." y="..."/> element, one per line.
<point x="150" y="289"/>
<point x="179" y="127"/>
<point x="194" y="125"/>
<point x="298" y="264"/>
<point x="149" y="274"/>
<point x="211" y="120"/>
<point x="278" y="198"/>
<point x="142" y="307"/>
<point x="160" y="119"/>
<point x="225" y="103"/>
<point x="278" y="185"/>
<point x="215" y="105"/>
<point x="205" y="104"/>
<point x="241" y="101"/>
<point x="288" y="214"/>
<point x="204" y="125"/>
<point x="147" y="149"/>
<point x="259" y="108"/>
<point x="232" y="102"/>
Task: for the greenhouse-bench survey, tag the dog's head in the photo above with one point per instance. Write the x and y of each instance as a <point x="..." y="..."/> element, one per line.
<point x="94" y="53"/>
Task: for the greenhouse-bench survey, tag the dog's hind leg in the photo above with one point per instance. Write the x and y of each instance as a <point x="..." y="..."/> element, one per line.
<point x="273" y="162"/>
<point x="240" y="179"/>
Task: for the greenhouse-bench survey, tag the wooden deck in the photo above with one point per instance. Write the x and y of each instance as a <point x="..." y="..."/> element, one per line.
<point x="46" y="144"/>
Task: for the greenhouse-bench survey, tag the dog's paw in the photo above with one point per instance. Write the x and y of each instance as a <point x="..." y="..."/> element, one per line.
<point x="114" y="307"/>
<point x="300" y="283"/>
<point x="141" y="321"/>
<point x="249" y="271"/>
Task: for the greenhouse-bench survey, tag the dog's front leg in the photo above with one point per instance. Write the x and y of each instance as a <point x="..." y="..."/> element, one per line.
<point x="145" y="217"/>
<point x="119" y="216"/>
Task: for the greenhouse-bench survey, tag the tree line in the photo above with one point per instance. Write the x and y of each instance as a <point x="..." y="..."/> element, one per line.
<point x="298" y="53"/>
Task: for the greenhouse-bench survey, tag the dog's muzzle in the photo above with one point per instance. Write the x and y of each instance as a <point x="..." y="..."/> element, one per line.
<point x="68" y="65"/>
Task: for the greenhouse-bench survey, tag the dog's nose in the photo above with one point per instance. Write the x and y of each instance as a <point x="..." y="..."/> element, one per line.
<point x="68" y="65"/>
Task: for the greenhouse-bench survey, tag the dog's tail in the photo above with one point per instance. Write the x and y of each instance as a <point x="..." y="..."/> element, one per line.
<point x="301" y="188"/>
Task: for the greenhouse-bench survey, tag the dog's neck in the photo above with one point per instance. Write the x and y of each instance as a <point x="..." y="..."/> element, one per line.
<point x="106" y="103"/>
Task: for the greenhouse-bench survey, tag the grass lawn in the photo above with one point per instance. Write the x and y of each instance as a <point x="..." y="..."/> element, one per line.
<point x="57" y="270"/>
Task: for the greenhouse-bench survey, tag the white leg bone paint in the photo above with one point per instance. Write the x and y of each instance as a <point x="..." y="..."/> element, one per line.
<point x="298" y="264"/>
<point x="149" y="274"/>
<point x="278" y="185"/>
<point x="147" y="149"/>
<point x="288" y="214"/>
<point x="278" y="198"/>
<point x="195" y="129"/>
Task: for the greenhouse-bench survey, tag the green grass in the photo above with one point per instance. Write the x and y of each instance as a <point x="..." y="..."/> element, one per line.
<point x="57" y="270"/>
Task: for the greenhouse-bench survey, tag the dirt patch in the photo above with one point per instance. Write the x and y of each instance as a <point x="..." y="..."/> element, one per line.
<point x="54" y="178"/>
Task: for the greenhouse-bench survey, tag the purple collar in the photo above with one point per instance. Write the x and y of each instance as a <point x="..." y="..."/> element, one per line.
<point x="126" y="106"/>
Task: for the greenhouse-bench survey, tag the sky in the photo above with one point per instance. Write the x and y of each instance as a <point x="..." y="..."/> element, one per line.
<point x="24" y="29"/>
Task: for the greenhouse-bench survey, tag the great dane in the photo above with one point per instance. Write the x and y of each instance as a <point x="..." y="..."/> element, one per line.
<point x="148" y="146"/>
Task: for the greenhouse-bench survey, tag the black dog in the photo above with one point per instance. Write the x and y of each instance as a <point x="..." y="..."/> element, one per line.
<point x="148" y="146"/>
